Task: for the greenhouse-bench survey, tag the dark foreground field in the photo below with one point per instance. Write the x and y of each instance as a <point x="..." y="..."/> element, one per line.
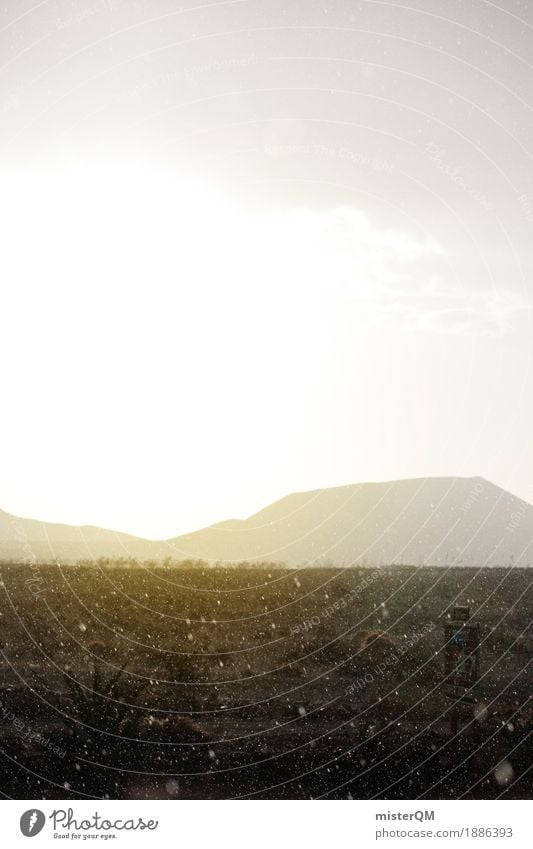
<point x="188" y="681"/>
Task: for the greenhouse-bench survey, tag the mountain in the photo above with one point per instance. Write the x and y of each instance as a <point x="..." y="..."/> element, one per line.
<point x="29" y="540"/>
<point x="438" y="521"/>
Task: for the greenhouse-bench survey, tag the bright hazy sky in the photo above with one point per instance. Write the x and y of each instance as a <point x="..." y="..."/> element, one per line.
<point x="251" y="248"/>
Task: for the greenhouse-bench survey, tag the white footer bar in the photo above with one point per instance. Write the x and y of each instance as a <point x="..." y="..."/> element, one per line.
<point x="267" y="824"/>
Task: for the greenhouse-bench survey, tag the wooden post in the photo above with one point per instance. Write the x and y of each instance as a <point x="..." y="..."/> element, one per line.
<point x="461" y="661"/>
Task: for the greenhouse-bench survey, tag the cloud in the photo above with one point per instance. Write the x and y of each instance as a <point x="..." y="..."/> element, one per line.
<point x="444" y="308"/>
<point x="397" y="279"/>
<point x="169" y="247"/>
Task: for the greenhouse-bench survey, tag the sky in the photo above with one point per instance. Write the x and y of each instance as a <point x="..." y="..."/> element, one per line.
<point x="252" y="248"/>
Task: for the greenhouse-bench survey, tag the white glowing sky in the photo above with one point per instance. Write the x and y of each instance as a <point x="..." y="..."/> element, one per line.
<point x="249" y="248"/>
<point x="173" y="360"/>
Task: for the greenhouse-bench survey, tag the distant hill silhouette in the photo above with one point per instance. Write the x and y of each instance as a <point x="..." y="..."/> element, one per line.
<point x="434" y="521"/>
<point x="25" y="539"/>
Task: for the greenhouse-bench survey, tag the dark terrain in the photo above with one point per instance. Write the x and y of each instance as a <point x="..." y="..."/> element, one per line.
<point x="196" y="681"/>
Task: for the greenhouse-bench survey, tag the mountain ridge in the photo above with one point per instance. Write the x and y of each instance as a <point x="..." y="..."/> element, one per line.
<point x="438" y="521"/>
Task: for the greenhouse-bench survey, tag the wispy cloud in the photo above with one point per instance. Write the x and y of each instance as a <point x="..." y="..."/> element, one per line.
<point x="400" y="279"/>
<point x="444" y="308"/>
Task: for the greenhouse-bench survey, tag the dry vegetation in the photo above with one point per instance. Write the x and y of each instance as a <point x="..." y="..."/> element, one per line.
<point x="195" y="681"/>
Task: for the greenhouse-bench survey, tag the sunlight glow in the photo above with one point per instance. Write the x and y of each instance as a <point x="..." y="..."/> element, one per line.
<point x="173" y="361"/>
